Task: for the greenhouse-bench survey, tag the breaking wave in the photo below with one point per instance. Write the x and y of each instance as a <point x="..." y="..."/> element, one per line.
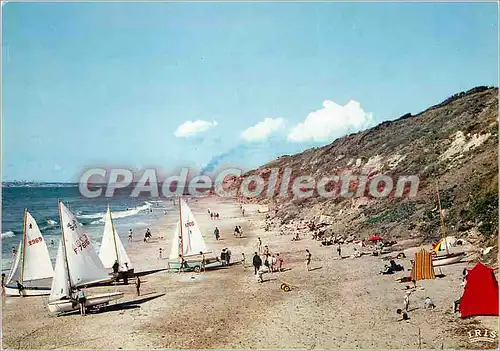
<point x="99" y="217"/>
<point x="8" y="234"/>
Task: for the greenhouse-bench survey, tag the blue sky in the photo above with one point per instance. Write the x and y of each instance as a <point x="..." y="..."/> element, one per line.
<point x="110" y="83"/>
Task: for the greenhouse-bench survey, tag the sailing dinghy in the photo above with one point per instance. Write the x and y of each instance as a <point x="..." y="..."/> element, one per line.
<point x="188" y="242"/>
<point x="77" y="265"/>
<point x="448" y="257"/>
<point x="31" y="266"/>
<point x="112" y="249"/>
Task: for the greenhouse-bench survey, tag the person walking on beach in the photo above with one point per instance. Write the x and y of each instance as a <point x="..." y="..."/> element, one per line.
<point x="82" y="299"/>
<point x="308" y="259"/>
<point x="217" y="233"/>
<point x="243" y="212"/>
<point x="257" y="262"/>
<point x="160" y="253"/>
<point x="339" y="250"/>
<point x="243" y="263"/>
<point x="259" y="245"/>
<point x="211" y="215"/>
<point x="236" y="231"/>
<point x="130" y="235"/>
<point x="240" y="230"/>
<point x="138" y="286"/>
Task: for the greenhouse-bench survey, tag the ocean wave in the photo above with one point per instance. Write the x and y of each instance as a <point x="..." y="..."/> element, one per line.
<point x="8" y="234"/>
<point x="99" y="217"/>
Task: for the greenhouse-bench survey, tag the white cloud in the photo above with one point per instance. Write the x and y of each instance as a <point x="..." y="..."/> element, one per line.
<point x="332" y="121"/>
<point x="262" y="130"/>
<point x="191" y="128"/>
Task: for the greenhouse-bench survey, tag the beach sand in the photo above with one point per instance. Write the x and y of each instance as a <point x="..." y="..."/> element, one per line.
<point x="338" y="304"/>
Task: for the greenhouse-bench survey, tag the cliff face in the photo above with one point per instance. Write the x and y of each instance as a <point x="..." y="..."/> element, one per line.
<point x="453" y="145"/>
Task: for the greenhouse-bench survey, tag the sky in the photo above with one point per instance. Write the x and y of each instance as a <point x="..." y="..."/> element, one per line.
<point x="207" y="85"/>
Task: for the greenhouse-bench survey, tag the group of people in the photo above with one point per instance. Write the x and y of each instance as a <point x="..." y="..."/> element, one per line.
<point x="238" y="231"/>
<point x="213" y="215"/>
<point x="225" y="257"/>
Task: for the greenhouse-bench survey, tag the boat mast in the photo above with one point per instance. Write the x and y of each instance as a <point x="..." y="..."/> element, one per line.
<point x="181" y="244"/>
<point x="64" y="245"/>
<point x="24" y="243"/>
<point x="443" y="229"/>
<point x="114" y="238"/>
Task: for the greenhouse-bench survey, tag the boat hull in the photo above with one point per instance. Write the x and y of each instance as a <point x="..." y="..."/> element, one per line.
<point x="28" y="291"/>
<point x="62" y="306"/>
<point x="448" y="259"/>
<point x="191" y="264"/>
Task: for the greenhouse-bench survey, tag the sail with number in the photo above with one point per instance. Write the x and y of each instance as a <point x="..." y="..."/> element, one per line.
<point x="112" y="248"/>
<point x="32" y="265"/>
<point x="189" y="235"/>
<point x="83" y="264"/>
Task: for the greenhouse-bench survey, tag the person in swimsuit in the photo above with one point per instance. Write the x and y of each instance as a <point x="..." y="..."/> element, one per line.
<point x="82" y="299"/>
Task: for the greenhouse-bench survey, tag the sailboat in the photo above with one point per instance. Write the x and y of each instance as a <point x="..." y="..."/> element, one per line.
<point x="112" y="249"/>
<point x="188" y="242"/>
<point x="77" y="265"/>
<point x="448" y="258"/>
<point x="31" y="266"/>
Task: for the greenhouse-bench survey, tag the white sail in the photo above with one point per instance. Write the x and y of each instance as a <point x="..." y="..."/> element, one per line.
<point x="175" y="250"/>
<point x="36" y="260"/>
<point x="60" y="284"/>
<point x="192" y="239"/>
<point x="15" y="269"/>
<point x="112" y="248"/>
<point x="83" y="263"/>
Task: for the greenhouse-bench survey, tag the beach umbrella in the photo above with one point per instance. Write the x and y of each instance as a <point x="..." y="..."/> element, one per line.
<point x="375" y="238"/>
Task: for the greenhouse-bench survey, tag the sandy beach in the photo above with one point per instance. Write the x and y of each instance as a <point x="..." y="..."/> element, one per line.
<point x="338" y="304"/>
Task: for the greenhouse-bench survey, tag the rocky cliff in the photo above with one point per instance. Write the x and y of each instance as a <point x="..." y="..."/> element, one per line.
<point x="452" y="146"/>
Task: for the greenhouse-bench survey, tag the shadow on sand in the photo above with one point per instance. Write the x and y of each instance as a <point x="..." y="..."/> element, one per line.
<point x="314" y="269"/>
<point x="126" y="305"/>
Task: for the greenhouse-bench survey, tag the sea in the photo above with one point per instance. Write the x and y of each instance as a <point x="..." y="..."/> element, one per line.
<point x="41" y="201"/>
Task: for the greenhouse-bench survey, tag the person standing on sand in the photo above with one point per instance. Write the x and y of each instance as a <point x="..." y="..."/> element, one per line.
<point x="280" y="262"/>
<point x="138" y="286"/>
<point x="339" y="250"/>
<point x="243" y="212"/>
<point x="259" y="245"/>
<point x="257" y="262"/>
<point x="160" y="253"/>
<point x="308" y="259"/>
<point x="241" y="231"/>
<point x="242" y="260"/>
<point x="407" y="301"/>
<point x="211" y="215"/>
<point x="217" y="233"/>
<point x="202" y="261"/>
<point x="130" y="235"/>
<point x="82" y="299"/>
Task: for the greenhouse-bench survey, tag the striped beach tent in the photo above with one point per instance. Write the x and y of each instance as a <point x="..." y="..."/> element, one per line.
<point x="422" y="266"/>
